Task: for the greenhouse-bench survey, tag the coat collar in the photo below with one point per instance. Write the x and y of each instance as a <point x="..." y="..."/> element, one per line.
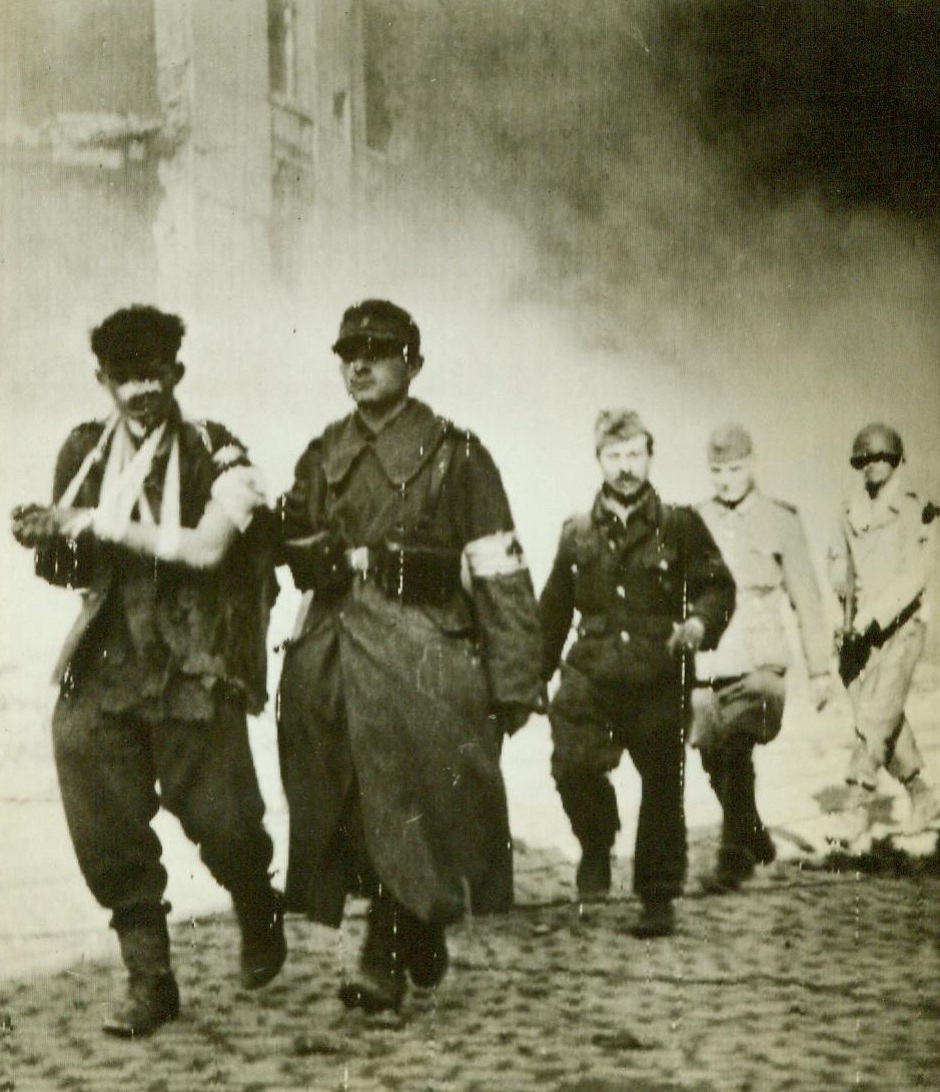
<point x="402" y="447"/>
<point x="748" y="503"/>
<point x="864" y="513"/>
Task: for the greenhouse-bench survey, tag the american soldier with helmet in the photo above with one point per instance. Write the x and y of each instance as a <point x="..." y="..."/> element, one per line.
<point x="161" y="520"/>
<point x="416" y="648"/>
<point x="879" y="566"/>
<point x="650" y="588"/>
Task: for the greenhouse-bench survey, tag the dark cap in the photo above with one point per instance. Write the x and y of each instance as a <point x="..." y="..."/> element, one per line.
<point x="377" y="320"/>
<point x="136" y="336"/>
<point x="619" y="424"/>
<point x="728" y="443"/>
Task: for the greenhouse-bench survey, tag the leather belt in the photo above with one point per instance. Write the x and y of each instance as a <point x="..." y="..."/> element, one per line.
<point x="884" y="635"/>
<point x="718" y="683"/>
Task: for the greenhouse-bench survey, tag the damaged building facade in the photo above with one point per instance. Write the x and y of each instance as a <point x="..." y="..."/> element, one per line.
<point x="179" y="150"/>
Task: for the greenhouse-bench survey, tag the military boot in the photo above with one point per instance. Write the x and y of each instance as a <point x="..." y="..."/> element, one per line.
<point x="425" y="953"/>
<point x="152" y="995"/>
<point x="379" y="983"/>
<point x="854" y="821"/>
<point x="925" y="806"/>
<point x="762" y="846"/>
<point x="264" y="948"/>
<point x="657" y="918"/>
<point x="593" y="874"/>
<point x="735" y="865"/>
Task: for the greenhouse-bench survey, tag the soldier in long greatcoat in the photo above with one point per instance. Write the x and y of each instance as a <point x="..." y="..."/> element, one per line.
<point x="416" y="649"/>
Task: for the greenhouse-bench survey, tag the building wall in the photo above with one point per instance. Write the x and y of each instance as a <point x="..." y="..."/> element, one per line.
<point x="146" y="156"/>
<point x="316" y="183"/>
<point x="78" y="179"/>
<point x="212" y="228"/>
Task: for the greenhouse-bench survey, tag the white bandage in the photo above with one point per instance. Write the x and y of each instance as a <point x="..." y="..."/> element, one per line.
<point x="107" y="523"/>
<point x="80" y="520"/>
<point x="239" y="490"/>
<point x="168" y="542"/>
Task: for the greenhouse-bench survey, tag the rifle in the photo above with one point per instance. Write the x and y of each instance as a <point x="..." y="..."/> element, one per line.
<point x="854" y="647"/>
<point x="854" y="650"/>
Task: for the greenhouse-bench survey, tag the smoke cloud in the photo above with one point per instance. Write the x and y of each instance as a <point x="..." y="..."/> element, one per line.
<point x="704" y="212"/>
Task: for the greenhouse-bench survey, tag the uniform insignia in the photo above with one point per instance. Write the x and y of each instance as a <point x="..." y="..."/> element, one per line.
<point x="514" y="548"/>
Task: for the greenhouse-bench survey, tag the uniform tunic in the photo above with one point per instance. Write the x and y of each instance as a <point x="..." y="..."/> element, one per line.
<point x="620" y="687"/>
<point x="384" y="704"/>
<point x="763" y="543"/>
<point x="882" y="554"/>
<point x="156" y="677"/>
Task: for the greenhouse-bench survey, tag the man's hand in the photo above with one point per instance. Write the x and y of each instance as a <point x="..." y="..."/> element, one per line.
<point x="34" y="524"/>
<point x="820" y="690"/>
<point x="686" y="636"/>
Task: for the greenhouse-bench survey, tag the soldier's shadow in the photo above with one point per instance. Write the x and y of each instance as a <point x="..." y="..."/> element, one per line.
<point x="883" y="856"/>
<point x="833" y="798"/>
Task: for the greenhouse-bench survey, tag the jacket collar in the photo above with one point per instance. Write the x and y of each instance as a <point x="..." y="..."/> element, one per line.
<point x="864" y="513"/>
<point x="740" y="509"/>
<point x="402" y="447"/>
<point x="643" y="518"/>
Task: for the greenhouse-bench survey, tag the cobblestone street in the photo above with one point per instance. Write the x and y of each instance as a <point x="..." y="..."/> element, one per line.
<point x="807" y="980"/>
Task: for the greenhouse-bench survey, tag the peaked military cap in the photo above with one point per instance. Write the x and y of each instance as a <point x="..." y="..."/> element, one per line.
<point x="377" y="320"/>
<point x="729" y="442"/>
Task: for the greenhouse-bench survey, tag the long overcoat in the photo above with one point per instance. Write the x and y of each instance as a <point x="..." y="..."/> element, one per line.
<point x="393" y="699"/>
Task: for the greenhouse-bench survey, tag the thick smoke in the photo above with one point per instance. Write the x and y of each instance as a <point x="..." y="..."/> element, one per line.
<point x="704" y="211"/>
<point x="713" y="200"/>
<point x="841" y="98"/>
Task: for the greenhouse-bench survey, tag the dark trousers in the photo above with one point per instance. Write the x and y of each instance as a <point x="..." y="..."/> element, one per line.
<point x="730" y="770"/>
<point x="591" y="728"/>
<point x="109" y="766"/>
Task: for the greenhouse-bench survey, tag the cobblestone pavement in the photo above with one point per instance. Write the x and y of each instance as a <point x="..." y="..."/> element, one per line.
<point x="808" y="979"/>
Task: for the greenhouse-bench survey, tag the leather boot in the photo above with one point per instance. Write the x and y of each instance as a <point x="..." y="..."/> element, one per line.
<point x="593" y="875"/>
<point x="855" y="819"/>
<point x="925" y="806"/>
<point x="264" y="948"/>
<point x="735" y="865"/>
<point x="657" y="918"/>
<point x="425" y="951"/>
<point x="152" y="994"/>
<point x="379" y="983"/>
<point x="762" y="846"/>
